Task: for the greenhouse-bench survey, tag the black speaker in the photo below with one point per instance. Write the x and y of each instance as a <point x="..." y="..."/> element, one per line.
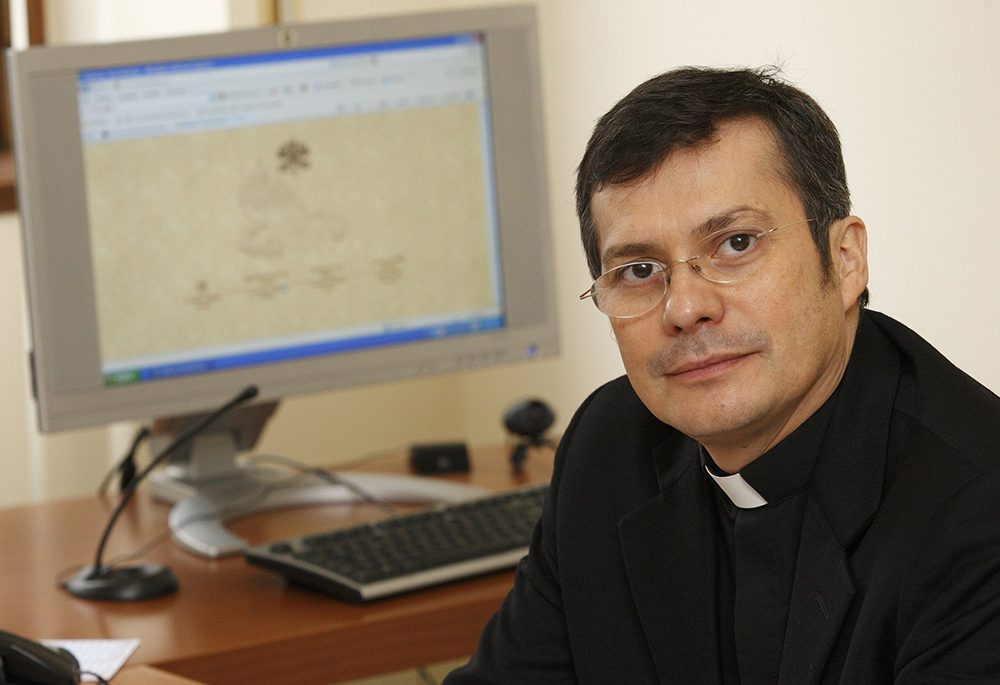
<point x="440" y="458"/>
<point x="528" y="420"/>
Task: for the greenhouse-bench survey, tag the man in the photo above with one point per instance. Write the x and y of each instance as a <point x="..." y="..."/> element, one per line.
<point x="788" y="488"/>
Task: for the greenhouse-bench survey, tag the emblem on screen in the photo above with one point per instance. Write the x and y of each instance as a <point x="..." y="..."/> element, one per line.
<point x="293" y="156"/>
<point x="277" y="220"/>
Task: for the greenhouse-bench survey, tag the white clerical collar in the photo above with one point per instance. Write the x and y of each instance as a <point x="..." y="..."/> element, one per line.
<point x="739" y="491"/>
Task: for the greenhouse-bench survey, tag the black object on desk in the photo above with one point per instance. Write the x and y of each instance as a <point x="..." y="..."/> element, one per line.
<point x="528" y="420"/>
<point x="23" y="662"/>
<point x="452" y="457"/>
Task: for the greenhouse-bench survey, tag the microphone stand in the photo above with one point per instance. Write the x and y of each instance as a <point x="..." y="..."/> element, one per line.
<point x="131" y="583"/>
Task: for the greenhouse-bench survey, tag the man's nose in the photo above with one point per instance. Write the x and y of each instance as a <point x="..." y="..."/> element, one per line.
<point x="691" y="300"/>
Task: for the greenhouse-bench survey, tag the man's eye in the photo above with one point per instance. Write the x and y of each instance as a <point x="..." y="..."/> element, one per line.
<point x="740" y="242"/>
<point x="735" y="244"/>
<point x="638" y="272"/>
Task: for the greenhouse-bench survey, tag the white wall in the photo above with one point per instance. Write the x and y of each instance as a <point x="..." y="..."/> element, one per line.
<point x="82" y="21"/>
<point x="15" y="482"/>
<point x="914" y="86"/>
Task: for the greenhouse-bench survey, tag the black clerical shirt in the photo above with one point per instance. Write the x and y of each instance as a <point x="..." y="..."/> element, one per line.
<point x="758" y="550"/>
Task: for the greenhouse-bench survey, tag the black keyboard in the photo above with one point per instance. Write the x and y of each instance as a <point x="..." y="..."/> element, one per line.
<point x="409" y="551"/>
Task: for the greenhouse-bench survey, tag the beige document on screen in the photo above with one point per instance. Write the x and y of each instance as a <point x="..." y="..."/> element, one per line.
<point x="220" y="237"/>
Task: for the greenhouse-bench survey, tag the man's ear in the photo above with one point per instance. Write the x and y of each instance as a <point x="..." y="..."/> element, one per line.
<point x="849" y="248"/>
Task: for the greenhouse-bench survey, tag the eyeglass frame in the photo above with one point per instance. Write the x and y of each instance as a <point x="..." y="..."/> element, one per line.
<point x="591" y="292"/>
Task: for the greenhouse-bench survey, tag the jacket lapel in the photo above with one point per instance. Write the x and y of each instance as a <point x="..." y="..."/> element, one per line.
<point x="821" y="596"/>
<point x="669" y="546"/>
<point x="844" y="496"/>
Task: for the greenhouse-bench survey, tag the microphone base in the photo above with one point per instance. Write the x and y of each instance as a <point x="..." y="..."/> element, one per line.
<point x="127" y="584"/>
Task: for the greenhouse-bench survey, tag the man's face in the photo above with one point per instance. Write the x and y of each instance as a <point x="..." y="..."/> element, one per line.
<point x="735" y="366"/>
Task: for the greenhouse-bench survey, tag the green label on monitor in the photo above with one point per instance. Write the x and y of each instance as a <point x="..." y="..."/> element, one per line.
<point x="121" y="378"/>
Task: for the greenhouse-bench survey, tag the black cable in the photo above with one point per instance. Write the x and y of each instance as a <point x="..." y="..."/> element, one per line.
<point x="243" y="504"/>
<point x="247" y="394"/>
<point x="125" y="467"/>
<point x="370" y="457"/>
<point x="247" y="503"/>
<point x="329" y="477"/>
<point x="426" y="677"/>
<point x="100" y="679"/>
<point x="101" y="582"/>
<point x="231" y="510"/>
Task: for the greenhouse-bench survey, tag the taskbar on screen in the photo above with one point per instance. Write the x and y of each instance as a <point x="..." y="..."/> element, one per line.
<point x="282" y="354"/>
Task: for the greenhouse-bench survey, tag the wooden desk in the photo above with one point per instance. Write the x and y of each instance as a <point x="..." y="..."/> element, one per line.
<point x="233" y="623"/>
<point x="146" y="675"/>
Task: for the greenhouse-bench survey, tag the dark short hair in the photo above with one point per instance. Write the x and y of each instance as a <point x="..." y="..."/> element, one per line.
<point x="683" y="108"/>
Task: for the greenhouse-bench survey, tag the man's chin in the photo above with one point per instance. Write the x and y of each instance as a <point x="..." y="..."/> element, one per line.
<point x="705" y="417"/>
<point x="711" y="433"/>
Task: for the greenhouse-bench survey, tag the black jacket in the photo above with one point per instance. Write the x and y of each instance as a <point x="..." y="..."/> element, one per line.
<point x="898" y="572"/>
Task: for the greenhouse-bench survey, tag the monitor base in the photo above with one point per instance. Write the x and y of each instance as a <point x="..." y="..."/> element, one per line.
<point x="197" y="520"/>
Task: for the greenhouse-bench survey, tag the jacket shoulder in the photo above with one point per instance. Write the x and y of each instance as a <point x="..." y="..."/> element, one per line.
<point x="613" y="416"/>
<point x="943" y="399"/>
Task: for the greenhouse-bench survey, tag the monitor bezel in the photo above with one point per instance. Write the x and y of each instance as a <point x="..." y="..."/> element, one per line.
<point x="65" y="365"/>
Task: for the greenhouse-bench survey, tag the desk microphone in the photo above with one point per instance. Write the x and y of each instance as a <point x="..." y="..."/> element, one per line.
<point x="130" y="583"/>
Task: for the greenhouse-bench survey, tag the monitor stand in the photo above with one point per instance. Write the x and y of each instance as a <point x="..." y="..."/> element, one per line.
<point x="209" y="485"/>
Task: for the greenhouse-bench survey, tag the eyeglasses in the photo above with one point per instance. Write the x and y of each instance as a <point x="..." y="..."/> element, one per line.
<point x="726" y="256"/>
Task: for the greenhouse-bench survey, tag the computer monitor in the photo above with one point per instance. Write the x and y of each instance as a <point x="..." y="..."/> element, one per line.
<point x="300" y="208"/>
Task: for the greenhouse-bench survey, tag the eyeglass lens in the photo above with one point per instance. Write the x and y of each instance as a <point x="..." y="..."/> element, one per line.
<point x="726" y="256"/>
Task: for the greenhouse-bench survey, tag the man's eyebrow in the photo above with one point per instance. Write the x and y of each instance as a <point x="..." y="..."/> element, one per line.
<point x="732" y="215"/>
<point x="628" y="251"/>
